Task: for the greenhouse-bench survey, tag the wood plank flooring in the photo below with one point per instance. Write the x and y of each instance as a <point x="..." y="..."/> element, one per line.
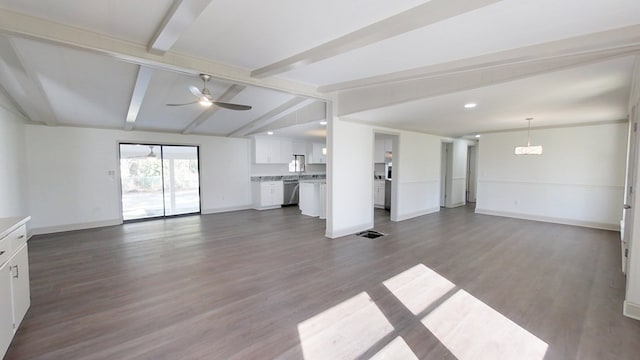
<point x="260" y="285"/>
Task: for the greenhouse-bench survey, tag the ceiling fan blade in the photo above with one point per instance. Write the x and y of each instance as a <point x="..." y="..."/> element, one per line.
<point x="195" y="91"/>
<point x="231" y="106"/>
<point x="189" y="103"/>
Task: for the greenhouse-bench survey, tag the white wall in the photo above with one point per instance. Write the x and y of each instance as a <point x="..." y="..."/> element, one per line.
<point x="350" y="179"/>
<point x="577" y="180"/>
<point x="69" y="186"/>
<point x="632" y="295"/>
<point x="416" y="169"/>
<point x="416" y="176"/>
<point x="13" y="165"/>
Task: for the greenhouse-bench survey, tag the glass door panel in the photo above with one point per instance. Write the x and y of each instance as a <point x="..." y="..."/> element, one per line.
<point x="159" y="180"/>
<point x="181" y="180"/>
<point x="141" y="176"/>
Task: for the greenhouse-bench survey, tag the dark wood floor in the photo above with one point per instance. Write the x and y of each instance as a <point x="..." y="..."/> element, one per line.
<point x="237" y="285"/>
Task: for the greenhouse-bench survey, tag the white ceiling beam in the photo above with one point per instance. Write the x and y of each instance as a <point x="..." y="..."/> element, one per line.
<point x="579" y="45"/>
<point x="286" y="108"/>
<point x="420" y="16"/>
<point x="21" y="25"/>
<point x="313" y="112"/>
<point x="20" y="80"/>
<point x="228" y="95"/>
<point x="181" y="15"/>
<point x="379" y="96"/>
<point x="139" y="91"/>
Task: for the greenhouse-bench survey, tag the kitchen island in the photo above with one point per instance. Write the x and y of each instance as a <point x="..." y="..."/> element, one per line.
<point x="313" y="198"/>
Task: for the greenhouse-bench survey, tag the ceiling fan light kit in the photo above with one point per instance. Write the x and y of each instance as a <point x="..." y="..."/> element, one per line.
<point x="205" y="99"/>
<point x="529" y="149"/>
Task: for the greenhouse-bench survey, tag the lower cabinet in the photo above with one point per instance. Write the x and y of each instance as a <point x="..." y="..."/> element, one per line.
<point x="15" y="296"/>
<point x="6" y="310"/>
<point x="378" y="193"/>
<point x="267" y="194"/>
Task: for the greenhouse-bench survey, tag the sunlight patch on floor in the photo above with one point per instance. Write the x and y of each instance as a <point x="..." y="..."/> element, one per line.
<point x="418" y="288"/>
<point x="470" y="329"/>
<point x="397" y="349"/>
<point x="344" y="331"/>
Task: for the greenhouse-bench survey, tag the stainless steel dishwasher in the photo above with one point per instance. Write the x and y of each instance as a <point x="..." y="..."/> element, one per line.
<point x="290" y="192"/>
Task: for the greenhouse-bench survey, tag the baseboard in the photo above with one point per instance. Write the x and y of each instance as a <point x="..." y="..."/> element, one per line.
<point x="266" y="207"/>
<point x="582" y="223"/>
<point x="456" y="205"/>
<point x="631" y="310"/>
<point x="418" y="213"/>
<point x="225" y="209"/>
<point x="378" y="206"/>
<point x="348" y="231"/>
<point x="71" y="227"/>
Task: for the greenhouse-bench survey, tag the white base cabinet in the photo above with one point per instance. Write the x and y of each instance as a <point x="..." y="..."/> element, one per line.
<point x="267" y="194"/>
<point x="15" y="295"/>
<point x="378" y="194"/>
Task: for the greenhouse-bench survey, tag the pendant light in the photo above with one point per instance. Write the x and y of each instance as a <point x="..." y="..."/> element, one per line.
<point x="529" y="149"/>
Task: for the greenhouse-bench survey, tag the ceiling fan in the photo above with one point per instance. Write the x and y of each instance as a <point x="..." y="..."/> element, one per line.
<point x="205" y="98"/>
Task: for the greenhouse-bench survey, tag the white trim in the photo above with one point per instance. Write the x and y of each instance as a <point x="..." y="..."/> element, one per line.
<point x="72" y="227"/>
<point x="414" y="214"/>
<point x="349" y="230"/>
<point x="540" y="183"/>
<point x="631" y="310"/>
<point x="267" y="207"/>
<point x="574" y="222"/>
<point x="456" y="205"/>
<point x="226" y="209"/>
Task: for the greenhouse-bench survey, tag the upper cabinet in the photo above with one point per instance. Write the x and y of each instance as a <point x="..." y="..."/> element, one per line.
<point x="381" y="148"/>
<point x="317" y="154"/>
<point x="272" y="150"/>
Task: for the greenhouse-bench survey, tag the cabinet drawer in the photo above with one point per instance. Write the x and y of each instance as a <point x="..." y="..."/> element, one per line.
<point x="5" y="250"/>
<point x="17" y="238"/>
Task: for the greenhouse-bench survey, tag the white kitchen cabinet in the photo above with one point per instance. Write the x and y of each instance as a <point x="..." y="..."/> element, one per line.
<point x="272" y="150"/>
<point x="6" y="312"/>
<point x="378" y="193"/>
<point x="309" y="203"/>
<point x="378" y="151"/>
<point x="15" y="297"/>
<point x="21" y="294"/>
<point x="267" y="194"/>
<point x="299" y="148"/>
<point x="317" y="155"/>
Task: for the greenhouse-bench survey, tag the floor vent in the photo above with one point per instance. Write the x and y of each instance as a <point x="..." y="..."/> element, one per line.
<point x="370" y="234"/>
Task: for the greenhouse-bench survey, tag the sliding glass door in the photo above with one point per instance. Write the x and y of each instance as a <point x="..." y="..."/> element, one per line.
<point x="159" y="180"/>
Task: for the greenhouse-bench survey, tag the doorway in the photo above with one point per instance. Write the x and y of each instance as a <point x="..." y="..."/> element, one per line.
<point x="472" y="159"/>
<point x="445" y="169"/>
<point x="159" y="181"/>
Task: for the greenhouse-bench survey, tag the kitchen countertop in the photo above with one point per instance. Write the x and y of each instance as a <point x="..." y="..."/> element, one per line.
<point x="301" y="177"/>
<point x="7" y="225"/>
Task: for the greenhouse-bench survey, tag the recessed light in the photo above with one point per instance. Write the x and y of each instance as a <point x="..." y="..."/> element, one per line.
<point x="477" y="136"/>
<point x="269" y="132"/>
<point x="470" y="105"/>
<point x="323" y="122"/>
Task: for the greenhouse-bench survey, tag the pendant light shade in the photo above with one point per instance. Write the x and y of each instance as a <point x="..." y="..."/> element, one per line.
<point x="529" y="149"/>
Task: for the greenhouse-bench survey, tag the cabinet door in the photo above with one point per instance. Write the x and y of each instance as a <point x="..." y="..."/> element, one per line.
<point x="286" y="151"/>
<point x="265" y="193"/>
<point x="19" y="266"/>
<point x="378" y="152"/>
<point x="318" y="156"/>
<point x="277" y="192"/>
<point x="6" y="313"/>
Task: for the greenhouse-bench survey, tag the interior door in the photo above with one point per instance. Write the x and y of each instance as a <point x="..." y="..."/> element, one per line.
<point x="628" y="211"/>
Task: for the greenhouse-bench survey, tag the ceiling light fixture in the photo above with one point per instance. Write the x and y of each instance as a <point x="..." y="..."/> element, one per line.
<point x="529" y="149"/>
<point x="205" y="102"/>
<point x="323" y="122"/>
<point x="269" y="132"/>
<point x="477" y="136"/>
<point x="470" y="105"/>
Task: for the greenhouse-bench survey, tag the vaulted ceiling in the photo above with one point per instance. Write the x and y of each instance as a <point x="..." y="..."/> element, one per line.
<point x="406" y="64"/>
